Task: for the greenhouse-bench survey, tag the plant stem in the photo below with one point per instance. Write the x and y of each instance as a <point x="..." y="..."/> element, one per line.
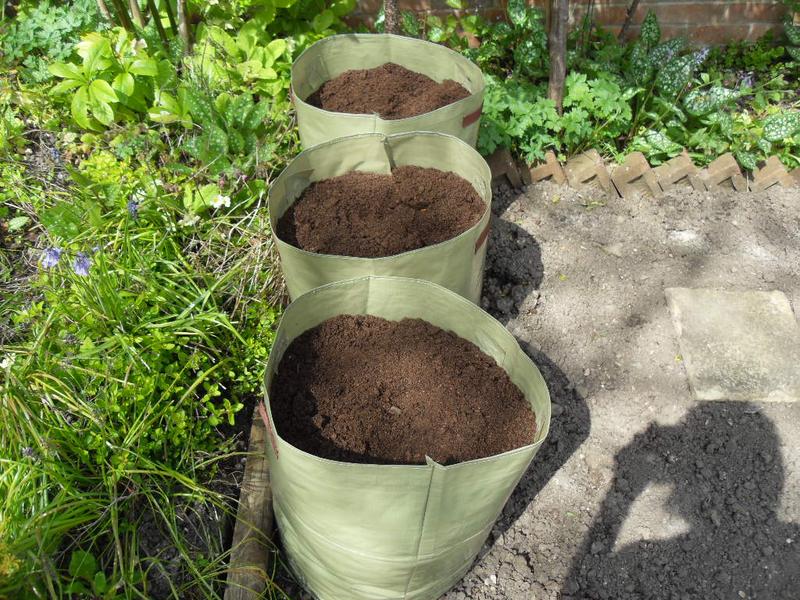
<point x="628" y="19"/>
<point x="136" y="13"/>
<point x="122" y="15"/>
<point x="391" y="22"/>
<point x="183" y="25"/>
<point x="101" y="5"/>
<point x="559" y="13"/>
<point x="151" y="5"/>
<point x="171" y="16"/>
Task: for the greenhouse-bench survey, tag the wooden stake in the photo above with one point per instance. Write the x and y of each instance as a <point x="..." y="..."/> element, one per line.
<point x="151" y="5"/>
<point x="559" y="19"/>
<point x="183" y="26"/>
<point x="136" y="13"/>
<point x="628" y="19"/>
<point x="390" y="16"/>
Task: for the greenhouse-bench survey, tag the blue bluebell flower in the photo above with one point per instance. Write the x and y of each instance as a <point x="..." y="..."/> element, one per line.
<point x="133" y="209"/>
<point x="82" y="264"/>
<point x="50" y="257"/>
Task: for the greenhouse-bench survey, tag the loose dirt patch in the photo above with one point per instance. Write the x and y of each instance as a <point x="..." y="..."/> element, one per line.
<point x="391" y="91"/>
<point x="373" y="214"/>
<point x="364" y="389"/>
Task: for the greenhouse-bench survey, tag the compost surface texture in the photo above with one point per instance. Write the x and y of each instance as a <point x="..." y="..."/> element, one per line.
<point x="391" y="91"/>
<point x="376" y="214"/>
<point x="363" y="389"/>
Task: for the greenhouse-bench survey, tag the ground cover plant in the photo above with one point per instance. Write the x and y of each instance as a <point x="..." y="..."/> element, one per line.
<point x="650" y="94"/>
<point x="139" y="287"/>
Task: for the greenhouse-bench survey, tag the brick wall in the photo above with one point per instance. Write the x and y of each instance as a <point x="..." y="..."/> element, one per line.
<point x="703" y="21"/>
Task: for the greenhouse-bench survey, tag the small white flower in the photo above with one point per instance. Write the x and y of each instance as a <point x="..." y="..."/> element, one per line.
<point x="189" y="220"/>
<point x="7" y="361"/>
<point x="220" y="201"/>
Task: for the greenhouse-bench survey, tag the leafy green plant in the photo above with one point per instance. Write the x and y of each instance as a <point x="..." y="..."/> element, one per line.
<point x="44" y="32"/>
<point x="112" y="82"/>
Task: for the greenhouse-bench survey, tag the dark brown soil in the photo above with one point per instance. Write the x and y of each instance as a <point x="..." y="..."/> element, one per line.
<point x="374" y="214"/>
<point x="391" y="91"/>
<point x="363" y="389"/>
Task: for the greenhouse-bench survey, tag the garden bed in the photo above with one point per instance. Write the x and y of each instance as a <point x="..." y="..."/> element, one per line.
<point x="373" y="215"/>
<point x="390" y="91"/>
<point x="395" y="392"/>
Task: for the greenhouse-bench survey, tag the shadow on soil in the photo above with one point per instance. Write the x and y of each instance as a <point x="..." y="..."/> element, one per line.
<point x="724" y="467"/>
<point x="514" y="268"/>
<point x="514" y="272"/>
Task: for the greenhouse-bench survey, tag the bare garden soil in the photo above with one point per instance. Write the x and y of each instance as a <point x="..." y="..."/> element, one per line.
<point x="364" y="389"/>
<point x="374" y="214"/>
<point x="391" y="91"/>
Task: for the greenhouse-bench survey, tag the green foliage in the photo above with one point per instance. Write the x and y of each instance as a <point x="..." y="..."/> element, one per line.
<point x="650" y="33"/>
<point x="45" y="32"/>
<point x="781" y="126"/>
<point x="116" y="79"/>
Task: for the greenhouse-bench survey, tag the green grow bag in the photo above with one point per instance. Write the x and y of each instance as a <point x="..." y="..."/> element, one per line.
<point x="333" y="56"/>
<point x="375" y="532"/>
<point x="457" y="264"/>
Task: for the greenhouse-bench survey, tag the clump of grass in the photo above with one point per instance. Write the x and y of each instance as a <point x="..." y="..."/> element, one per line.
<point x="115" y="477"/>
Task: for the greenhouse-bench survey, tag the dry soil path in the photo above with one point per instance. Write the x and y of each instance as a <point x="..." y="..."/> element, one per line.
<point x="644" y="491"/>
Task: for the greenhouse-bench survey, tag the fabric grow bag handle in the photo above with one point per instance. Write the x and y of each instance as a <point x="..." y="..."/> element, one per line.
<point x="472" y="117"/>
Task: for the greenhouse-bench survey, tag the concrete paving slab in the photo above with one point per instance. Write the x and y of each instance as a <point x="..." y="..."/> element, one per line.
<point x="737" y="345"/>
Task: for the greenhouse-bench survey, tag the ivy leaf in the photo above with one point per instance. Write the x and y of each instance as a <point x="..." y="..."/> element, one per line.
<point x="781" y="126"/>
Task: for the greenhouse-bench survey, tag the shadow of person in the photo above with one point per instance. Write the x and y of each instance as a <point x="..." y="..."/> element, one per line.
<point x="514" y="267"/>
<point x="723" y="466"/>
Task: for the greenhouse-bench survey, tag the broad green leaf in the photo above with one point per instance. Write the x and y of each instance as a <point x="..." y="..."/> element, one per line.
<point x="95" y="50"/>
<point x="147" y="67"/>
<point x="124" y="83"/>
<point x="455" y="4"/>
<point x="323" y="20"/>
<point x="746" y="159"/>
<point x="66" y="71"/>
<point x="676" y="75"/>
<point x="283" y="3"/>
<point x="80" y="108"/>
<point x="82" y="565"/>
<point x="342" y="8"/>
<point x="247" y="37"/>
<point x="101" y="91"/>
<point x="650" y="33"/>
<point x="103" y="112"/>
<point x="100" y="584"/>
<point x="781" y="126"/>
<point x="792" y="33"/>
<point x="277" y="48"/>
<point x="702" y="101"/>
<point x="65" y="86"/>
<point x="794" y="52"/>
